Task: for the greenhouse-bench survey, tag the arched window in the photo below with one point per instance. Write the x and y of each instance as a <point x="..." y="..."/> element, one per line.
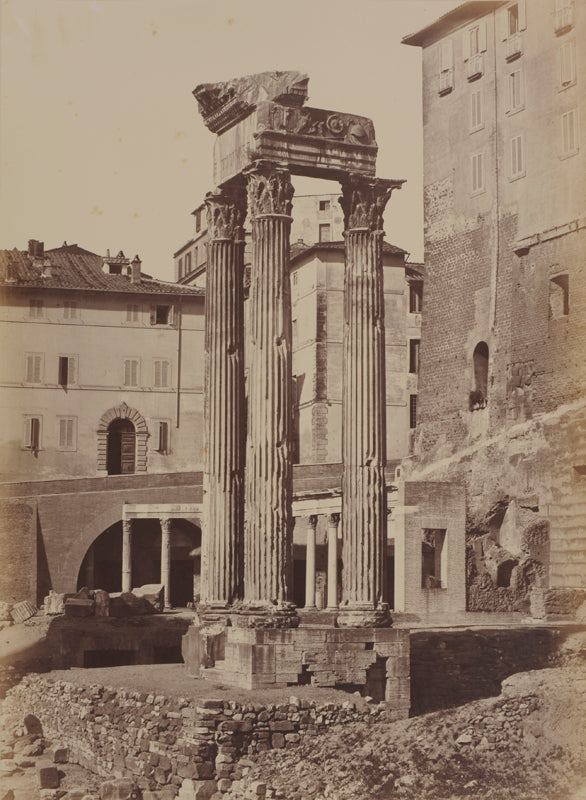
<point x="478" y="397"/>
<point x="121" y="454"/>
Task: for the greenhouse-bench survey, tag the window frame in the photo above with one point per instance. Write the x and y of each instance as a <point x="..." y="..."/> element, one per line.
<point x="128" y="360"/>
<point x="477" y="158"/>
<point x="514" y="151"/>
<point x="71" y="360"/>
<point x="323" y="227"/>
<point x="516" y="91"/>
<point x="67" y="448"/>
<point x="571" y="113"/>
<point x="568" y="46"/>
<point x="167" y="370"/>
<point x="414" y="355"/>
<point x="36" y="308"/>
<point x="154" y="317"/>
<point x="324" y="206"/>
<point x="412" y="411"/>
<point x="476" y="107"/>
<point x="415" y="297"/>
<point x="562" y="281"/>
<point x="68" y="307"/>
<point x="27" y="438"/>
<point x="41" y="370"/>
<point x="162" y="447"/>
<point x="132" y="313"/>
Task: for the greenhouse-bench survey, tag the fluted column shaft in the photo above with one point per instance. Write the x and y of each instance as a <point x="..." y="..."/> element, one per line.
<point x="225" y="409"/>
<point x="268" y="544"/>
<point x="364" y="406"/>
<point x="126" y="555"/>
<point x="333" y="522"/>
<point x="166" y="560"/>
<point x="310" y="563"/>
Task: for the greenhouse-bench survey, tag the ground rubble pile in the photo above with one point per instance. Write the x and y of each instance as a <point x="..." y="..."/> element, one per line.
<point x="530" y="742"/>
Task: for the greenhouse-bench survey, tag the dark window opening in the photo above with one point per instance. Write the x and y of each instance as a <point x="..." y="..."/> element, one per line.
<point x="162" y="315"/>
<point x="414" y="355"/>
<point x="415" y="297"/>
<point x="163" y="438"/>
<point x="559" y="297"/>
<point x="121" y="448"/>
<point x="412" y="411"/>
<point x="478" y="397"/>
<point x="66" y="370"/>
<point x="324" y="205"/>
<point x="432" y="558"/>
<point x="504" y="572"/>
<point x="513" y="14"/>
<point x="33" y="434"/>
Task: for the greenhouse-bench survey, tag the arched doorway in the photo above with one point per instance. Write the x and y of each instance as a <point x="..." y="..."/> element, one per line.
<point x="121" y="448"/>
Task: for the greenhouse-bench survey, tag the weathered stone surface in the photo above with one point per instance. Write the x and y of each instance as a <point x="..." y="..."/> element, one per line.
<point x="152" y="593"/>
<point x="22" y="611"/>
<point x="47" y="776"/>
<point x="79" y="607"/>
<point x="59" y="754"/>
<point x="54" y="603"/>
<point x="120" y="789"/>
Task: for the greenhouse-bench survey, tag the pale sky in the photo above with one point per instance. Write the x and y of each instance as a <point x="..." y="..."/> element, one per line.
<point x="101" y="140"/>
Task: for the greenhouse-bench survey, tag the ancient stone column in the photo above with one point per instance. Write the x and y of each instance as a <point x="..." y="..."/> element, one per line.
<point x="126" y="555"/>
<point x="268" y="542"/>
<point x="364" y="405"/>
<point x="166" y="560"/>
<point x="333" y="522"/>
<point x="225" y="409"/>
<point x="310" y="562"/>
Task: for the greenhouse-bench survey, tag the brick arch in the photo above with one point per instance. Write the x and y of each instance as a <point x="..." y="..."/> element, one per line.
<point x="123" y="411"/>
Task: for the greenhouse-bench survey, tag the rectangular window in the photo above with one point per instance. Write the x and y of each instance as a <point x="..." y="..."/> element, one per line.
<point x="35" y="308"/>
<point x="477" y="172"/>
<point x="446" y="66"/>
<point x="568" y="63"/>
<point x="131" y="312"/>
<point x="162" y="373"/>
<point x="180" y="268"/>
<point x="517" y="157"/>
<point x="515" y="90"/>
<point x="195" y="257"/>
<point x="476" y="111"/>
<point x="188" y="263"/>
<point x="198" y="221"/>
<point x="513" y="19"/>
<point x="162" y="436"/>
<point x="564" y="16"/>
<point x="324" y="205"/>
<point x="569" y="133"/>
<point x="131" y="372"/>
<point x="32" y="433"/>
<point x="412" y="410"/>
<point x="70" y="309"/>
<point x="474" y="40"/>
<point x="559" y="297"/>
<point x="160" y="315"/>
<point x="294" y="278"/>
<point x="67" y="370"/>
<point x="33" y="368"/>
<point x="433" y="559"/>
<point x="414" y="355"/>
<point x="415" y="297"/>
<point x="67" y="433"/>
<point x="325" y="233"/>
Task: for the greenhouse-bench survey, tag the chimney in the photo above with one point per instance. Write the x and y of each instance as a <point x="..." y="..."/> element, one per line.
<point x="36" y="249"/>
<point x="135" y="270"/>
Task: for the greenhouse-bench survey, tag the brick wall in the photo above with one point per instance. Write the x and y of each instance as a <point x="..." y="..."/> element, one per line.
<point x="18" y="546"/>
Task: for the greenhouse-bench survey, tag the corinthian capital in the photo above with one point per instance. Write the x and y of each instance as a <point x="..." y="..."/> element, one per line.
<point x="270" y="190"/>
<point x="363" y="201"/>
<point x="226" y="212"/>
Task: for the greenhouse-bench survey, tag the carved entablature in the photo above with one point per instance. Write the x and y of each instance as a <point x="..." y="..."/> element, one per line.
<point x="224" y="104"/>
<point x="363" y="201"/>
<point x="226" y="212"/>
<point x="317" y="122"/>
<point x="270" y="190"/>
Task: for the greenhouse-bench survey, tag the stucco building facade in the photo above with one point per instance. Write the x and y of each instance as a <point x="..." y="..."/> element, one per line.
<point x="502" y="378"/>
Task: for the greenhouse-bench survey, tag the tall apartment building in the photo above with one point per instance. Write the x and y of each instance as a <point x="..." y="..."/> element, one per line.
<point x="101" y="396"/>
<point x="503" y="355"/>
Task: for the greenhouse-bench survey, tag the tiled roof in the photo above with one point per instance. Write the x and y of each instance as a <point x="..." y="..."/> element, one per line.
<point x="72" y="267"/>
<point x="300" y="248"/>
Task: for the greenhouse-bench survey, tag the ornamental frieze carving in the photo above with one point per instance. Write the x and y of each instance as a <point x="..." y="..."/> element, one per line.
<point x="316" y="122"/>
<point x="226" y="212"/>
<point x="363" y="201"/>
<point x="270" y="190"/>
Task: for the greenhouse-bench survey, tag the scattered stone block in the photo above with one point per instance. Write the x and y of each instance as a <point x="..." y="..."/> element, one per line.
<point x="79" y="607"/>
<point x="102" y="603"/>
<point x="33" y="727"/>
<point x="51" y="794"/>
<point x="152" y="593"/>
<point x="24" y="762"/>
<point x="54" y="603"/>
<point x="47" y="776"/>
<point x="76" y="794"/>
<point x="23" y="611"/>
<point x="59" y="754"/>
<point x="197" y="790"/>
<point x="120" y="789"/>
<point x="126" y="604"/>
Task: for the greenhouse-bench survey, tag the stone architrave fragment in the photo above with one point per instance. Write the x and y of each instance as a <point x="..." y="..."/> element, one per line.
<point x="225" y="404"/>
<point x="364" y="405"/>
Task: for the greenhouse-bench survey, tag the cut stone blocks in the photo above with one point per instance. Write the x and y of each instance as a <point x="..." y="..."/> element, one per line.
<point x="23" y="611"/>
<point x="47" y="776"/>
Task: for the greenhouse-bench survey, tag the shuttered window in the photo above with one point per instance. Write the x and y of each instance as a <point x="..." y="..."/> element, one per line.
<point x="67" y="430"/>
<point x="162" y="373"/>
<point x="569" y="133"/>
<point x="517" y="157"/>
<point x="33" y="368"/>
<point x="131" y="372"/>
<point x="32" y="433"/>
<point x="67" y="370"/>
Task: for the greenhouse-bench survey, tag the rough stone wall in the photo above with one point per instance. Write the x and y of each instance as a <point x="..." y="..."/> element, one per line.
<point x="18" y="548"/>
<point x="163" y="740"/>
<point x="451" y="668"/>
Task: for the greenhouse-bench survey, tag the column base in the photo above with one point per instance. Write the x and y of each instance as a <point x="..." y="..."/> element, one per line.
<point x="265" y="615"/>
<point x="364" y="616"/>
<point x="213" y="613"/>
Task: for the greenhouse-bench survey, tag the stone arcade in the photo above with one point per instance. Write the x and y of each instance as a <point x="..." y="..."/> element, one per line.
<point x="246" y="632"/>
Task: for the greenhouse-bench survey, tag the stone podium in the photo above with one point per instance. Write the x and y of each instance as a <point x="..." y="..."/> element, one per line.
<point x="246" y="628"/>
